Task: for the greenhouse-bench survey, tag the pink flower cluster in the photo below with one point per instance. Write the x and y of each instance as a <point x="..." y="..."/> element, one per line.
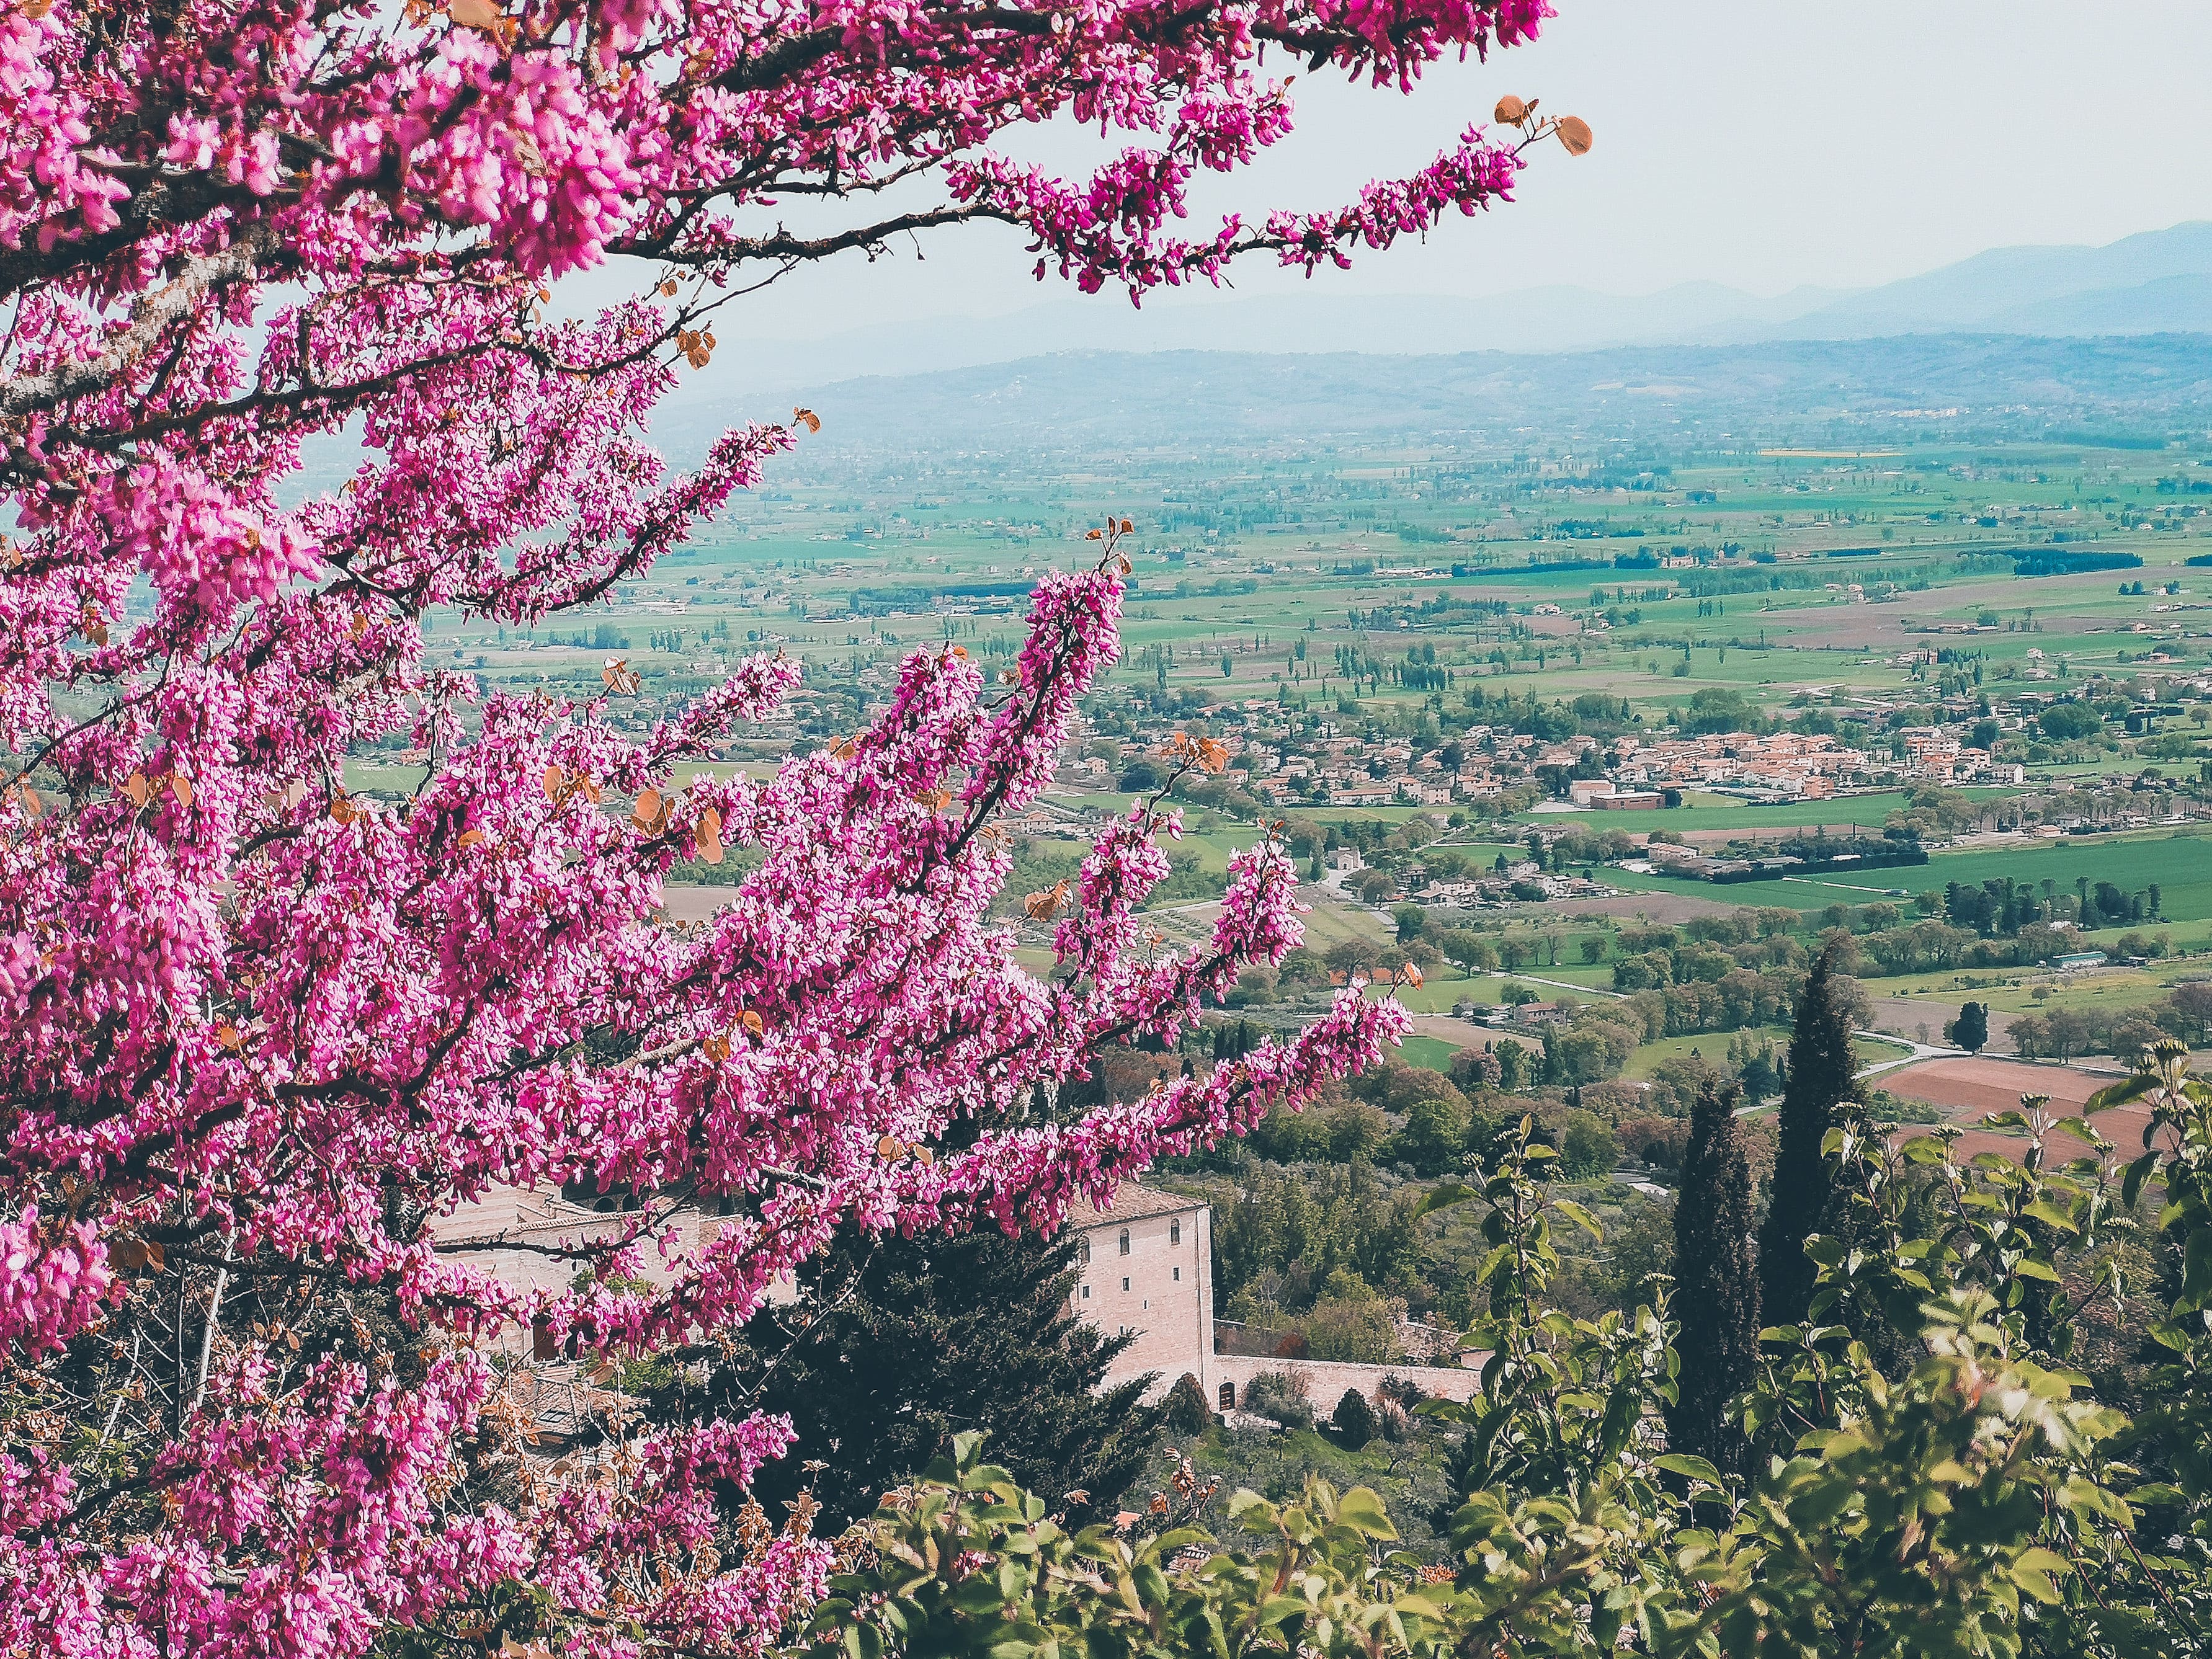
<point x="54" y="1281"/>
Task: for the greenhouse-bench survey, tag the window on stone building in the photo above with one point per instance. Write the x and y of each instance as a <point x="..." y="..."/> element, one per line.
<point x="1174" y="1232"/>
<point x="1125" y="1283"/>
<point x="1125" y="1241"/>
<point x="1083" y="1250"/>
<point x="1178" y="1275"/>
<point x="1229" y="1397"/>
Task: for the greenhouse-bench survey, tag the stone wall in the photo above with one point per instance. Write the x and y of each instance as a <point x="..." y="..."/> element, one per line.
<point x="1327" y="1379"/>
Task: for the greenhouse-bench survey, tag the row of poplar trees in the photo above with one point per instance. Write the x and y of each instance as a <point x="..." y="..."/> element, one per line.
<point x="1729" y="1284"/>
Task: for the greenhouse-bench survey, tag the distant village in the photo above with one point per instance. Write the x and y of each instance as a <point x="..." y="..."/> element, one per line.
<point x="1824" y="747"/>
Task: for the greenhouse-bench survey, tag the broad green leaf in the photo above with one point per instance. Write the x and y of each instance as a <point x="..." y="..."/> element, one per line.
<point x="1443" y="1197"/>
<point x="2131" y="1185"/>
<point x="1580" y="1217"/>
<point x="1361" y="1511"/>
<point x="2121" y="1093"/>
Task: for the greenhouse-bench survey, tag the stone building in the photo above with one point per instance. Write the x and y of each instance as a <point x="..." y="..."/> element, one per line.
<point x="1147" y="1267"/>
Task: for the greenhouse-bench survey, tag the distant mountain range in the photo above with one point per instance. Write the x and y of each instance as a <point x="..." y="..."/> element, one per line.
<point x="2160" y="281"/>
<point x="2131" y="392"/>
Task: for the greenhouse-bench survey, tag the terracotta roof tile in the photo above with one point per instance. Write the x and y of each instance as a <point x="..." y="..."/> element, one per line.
<point x="1131" y="1203"/>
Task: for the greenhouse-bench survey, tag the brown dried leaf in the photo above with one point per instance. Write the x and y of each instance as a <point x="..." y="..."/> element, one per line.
<point x="1575" y="134"/>
<point x="807" y="418"/>
<point x="621" y="678"/>
<point x="554" y="778"/>
<point x="226" y="1036"/>
<point x="470" y="838"/>
<point x="138" y="789"/>
<point x="1127" y="525"/>
<point x="650" y="815"/>
<point x="182" y="788"/>
<point x="717" y="1049"/>
<point x="476" y="15"/>
<point x="32" y="806"/>
<point x="706" y="834"/>
<point x="342" y="809"/>
<point x="1509" y="110"/>
<point x="889" y="1147"/>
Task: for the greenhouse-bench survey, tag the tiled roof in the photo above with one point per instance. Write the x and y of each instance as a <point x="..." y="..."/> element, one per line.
<point x="505" y="1212"/>
<point x="1131" y="1203"/>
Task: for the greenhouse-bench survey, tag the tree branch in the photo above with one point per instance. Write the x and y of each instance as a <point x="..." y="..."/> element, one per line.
<point x="151" y="318"/>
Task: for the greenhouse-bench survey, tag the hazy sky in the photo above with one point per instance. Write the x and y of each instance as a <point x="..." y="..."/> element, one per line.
<point x="1760" y="143"/>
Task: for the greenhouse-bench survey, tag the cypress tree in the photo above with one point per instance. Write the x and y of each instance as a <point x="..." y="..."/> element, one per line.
<point x="1353" y="1419"/>
<point x="1820" y="1064"/>
<point x="1970" y="1030"/>
<point x="1717" y="1283"/>
<point x="895" y="1345"/>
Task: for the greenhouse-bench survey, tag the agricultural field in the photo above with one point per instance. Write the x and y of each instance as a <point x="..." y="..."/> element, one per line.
<point x="1338" y="601"/>
<point x="2179" y="862"/>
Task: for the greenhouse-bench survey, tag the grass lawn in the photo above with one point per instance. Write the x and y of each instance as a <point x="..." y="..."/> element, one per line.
<point x="1434" y="1052"/>
<point x="2107" y="989"/>
<point x="1331" y="923"/>
<point x="1874" y="1051"/>
<point x="1711" y="1045"/>
<point x="379" y="777"/>
<point x="1704" y="811"/>
<point x="2178" y="863"/>
<point x="1443" y="987"/>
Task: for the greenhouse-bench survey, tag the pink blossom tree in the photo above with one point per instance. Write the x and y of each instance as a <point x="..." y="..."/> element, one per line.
<point x="260" y="1036"/>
